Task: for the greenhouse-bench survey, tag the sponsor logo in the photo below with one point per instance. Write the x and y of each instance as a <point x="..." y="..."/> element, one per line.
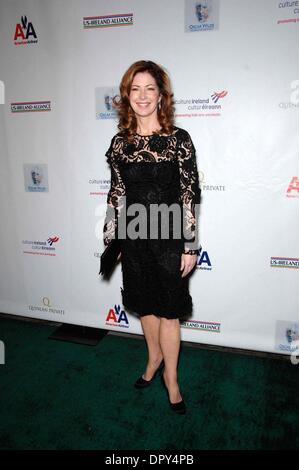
<point x="36" y="247"/>
<point x="30" y="106"/>
<point x="46" y="308"/>
<point x="104" y="104"/>
<point x="287" y="336"/>
<point x="103" y="184"/>
<point x="203" y="261"/>
<point x="201" y="15"/>
<point x="117" y="317"/>
<point x="25" y="33"/>
<point x="36" y="178"/>
<point x="290" y="11"/>
<point x="280" y="262"/>
<point x="212" y="327"/>
<point x="208" y="187"/>
<point x="293" y="188"/>
<point x="108" y="21"/>
<point x="201" y="107"/>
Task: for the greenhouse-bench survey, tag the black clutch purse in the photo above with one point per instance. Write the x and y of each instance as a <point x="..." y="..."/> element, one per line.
<point x="109" y="257"/>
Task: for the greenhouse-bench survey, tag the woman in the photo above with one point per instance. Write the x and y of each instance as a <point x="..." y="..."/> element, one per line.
<point x="153" y="163"/>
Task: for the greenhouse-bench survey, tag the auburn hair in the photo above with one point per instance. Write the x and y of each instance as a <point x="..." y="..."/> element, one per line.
<point x="127" y="119"/>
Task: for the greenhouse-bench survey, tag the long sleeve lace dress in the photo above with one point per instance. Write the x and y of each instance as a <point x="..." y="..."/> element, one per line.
<point x="154" y="171"/>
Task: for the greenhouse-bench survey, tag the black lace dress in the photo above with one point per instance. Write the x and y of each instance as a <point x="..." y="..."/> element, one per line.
<point x="153" y="170"/>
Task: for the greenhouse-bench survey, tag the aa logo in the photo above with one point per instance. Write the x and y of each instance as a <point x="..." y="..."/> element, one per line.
<point x="117" y="317"/>
<point x="24" y="30"/>
<point x="293" y="187"/>
<point x="204" y="261"/>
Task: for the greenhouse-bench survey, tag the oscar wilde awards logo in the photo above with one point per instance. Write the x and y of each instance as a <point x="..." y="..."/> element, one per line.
<point x="25" y="33"/>
<point x="36" y="178"/>
<point x="104" y="103"/>
<point x="287" y="339"/>
<point x="201" y="15"/>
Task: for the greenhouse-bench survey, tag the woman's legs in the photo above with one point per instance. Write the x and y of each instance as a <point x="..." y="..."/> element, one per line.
<point x="163" y="337"/>
<point x="170" y="338"/>
<point x="151" y="327"/>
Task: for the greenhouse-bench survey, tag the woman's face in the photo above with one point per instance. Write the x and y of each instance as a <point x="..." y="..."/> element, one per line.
<point x="144" y="94"/>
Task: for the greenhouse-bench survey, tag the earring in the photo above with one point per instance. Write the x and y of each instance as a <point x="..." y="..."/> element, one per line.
<point x="159" y="105"/>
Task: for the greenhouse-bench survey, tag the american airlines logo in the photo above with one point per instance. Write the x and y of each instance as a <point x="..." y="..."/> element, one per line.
<point x="25" y="33"/>
<point x="293" y="188"/>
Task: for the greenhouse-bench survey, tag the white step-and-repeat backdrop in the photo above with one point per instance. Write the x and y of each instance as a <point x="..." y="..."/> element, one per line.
<point x="234" y="71"/>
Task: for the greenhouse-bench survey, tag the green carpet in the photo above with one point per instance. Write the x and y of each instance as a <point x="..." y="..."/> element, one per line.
<point x="59" y="395"/>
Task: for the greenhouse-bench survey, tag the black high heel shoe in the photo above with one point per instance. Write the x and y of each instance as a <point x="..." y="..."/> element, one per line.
<point x="179" y="407"/>
<point x="142" y="383"/>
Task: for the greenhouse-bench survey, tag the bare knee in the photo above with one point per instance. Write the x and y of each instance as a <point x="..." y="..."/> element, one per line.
<point x="170" y="322"/>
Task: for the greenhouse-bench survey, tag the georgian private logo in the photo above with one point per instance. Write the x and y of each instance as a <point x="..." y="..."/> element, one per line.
<point x="282" y="262"/>
<point x="201" y="107"/>
<point x="117" y="317"/>
<point x="30" y="106"/>
<point x="293" y="188"/>
<point x="211" y="327"/>
<point x="25" y="33"/>
<point x="46" y="308"/>
<point x="44" y="247"/>
<point x="108" y="21"/>
<point x="208" y="187"/>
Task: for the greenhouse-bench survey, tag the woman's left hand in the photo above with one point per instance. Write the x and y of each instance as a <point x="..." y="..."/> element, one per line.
<point x="187" y="263"/>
